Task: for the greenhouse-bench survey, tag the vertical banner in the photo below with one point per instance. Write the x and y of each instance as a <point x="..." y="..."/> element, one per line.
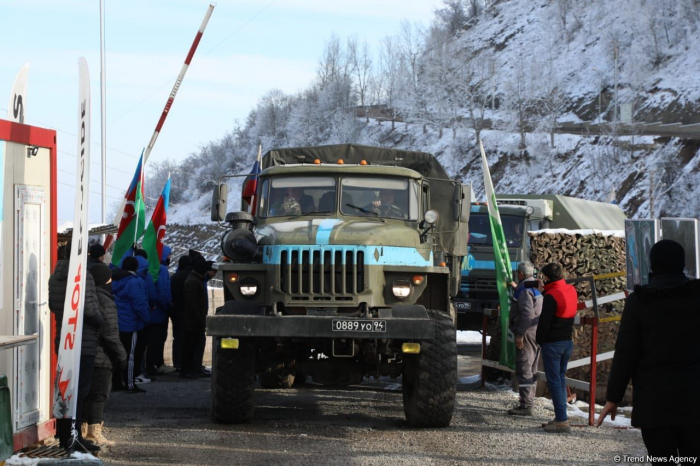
<point x="640" y="236"/>
<point x="685" y="232"/>
<point x="504" y="274"/>
<point x="68" y="367"/>
<point x="15" y="112"/>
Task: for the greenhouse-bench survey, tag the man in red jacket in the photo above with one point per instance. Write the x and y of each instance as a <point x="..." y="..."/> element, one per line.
<point x="554" y="337"/>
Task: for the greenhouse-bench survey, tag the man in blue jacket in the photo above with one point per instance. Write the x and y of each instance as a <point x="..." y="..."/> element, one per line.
<point x="134" y="315"/>
<point x="158" y="331"/>
<point x="144" y="274"/>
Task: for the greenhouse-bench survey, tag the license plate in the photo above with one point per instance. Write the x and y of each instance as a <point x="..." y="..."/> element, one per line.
<point x="359" y="326"/>
<point x="464" y="305"/>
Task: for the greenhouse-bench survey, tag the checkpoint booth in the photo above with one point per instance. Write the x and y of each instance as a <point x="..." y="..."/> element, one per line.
<point x="27" y="327"/>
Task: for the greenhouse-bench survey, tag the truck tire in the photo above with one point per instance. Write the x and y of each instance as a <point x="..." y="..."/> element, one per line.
<point x="430" y="377"/>
<point x="276" y="379"/>
<point x="233" y="383"/>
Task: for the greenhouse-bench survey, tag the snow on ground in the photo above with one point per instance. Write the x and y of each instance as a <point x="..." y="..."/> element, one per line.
<point x="470" y="337"/>
<point x="23" y="460"/>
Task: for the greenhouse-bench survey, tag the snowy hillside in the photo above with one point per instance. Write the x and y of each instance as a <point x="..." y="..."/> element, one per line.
<point x="513" y="72"/>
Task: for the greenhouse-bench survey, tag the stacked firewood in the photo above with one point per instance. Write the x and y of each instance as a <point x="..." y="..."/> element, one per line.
<point x="581" y="254"/>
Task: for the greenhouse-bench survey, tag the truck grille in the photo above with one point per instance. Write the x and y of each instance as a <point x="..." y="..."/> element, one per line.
<point x="328" y="274"/>
<point x="479" y="285"/>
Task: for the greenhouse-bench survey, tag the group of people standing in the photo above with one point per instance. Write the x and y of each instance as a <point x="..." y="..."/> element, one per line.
<point x="656" y="349"/>
<point x="125" y="327"/>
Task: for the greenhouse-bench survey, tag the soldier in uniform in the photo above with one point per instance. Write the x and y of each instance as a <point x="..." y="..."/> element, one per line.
<point x="385" y="206"/>
<point x="289" y="206"/>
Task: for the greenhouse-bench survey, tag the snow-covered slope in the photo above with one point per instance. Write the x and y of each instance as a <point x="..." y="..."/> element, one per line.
<point x="537" y="53"/>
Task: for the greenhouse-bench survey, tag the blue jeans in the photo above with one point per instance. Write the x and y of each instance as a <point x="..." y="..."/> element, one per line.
<point x="555" y="357"/>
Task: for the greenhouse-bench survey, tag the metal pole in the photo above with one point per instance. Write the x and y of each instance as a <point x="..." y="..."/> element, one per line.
<point x="651" y="193"/>
<point x="594" y="355"/>
<point x="103" y="110"/>
<point x="483" y="348"/>
<point x="615" y="110"/>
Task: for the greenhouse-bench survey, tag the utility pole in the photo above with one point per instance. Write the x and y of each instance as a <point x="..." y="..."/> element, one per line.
<point x="651" y="193"/>
<point x="615" y="110"/>
<point x="103" y="108"/>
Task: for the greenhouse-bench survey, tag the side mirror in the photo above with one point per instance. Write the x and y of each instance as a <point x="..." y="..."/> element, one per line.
<point x="218" y="202"/>
<point x="467" y="196"/>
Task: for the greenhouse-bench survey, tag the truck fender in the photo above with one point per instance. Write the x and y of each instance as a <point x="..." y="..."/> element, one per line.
<point x="240" y="308"/>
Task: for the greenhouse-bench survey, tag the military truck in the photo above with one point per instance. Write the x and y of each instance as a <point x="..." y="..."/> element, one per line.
<point x="519" y="214"/>
<point x="346" y="270"/>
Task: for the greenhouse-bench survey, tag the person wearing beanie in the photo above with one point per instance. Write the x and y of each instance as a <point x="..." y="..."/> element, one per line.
<point x="134" y="314"/>
<point x="553" y="334"/>
<point x="177" y="289"/>
<point x="92" y="321"/>
<point x="657" y="349"/>
<point x="194" y="322"/>
<point x="96" y="255"/>
<point x="158" y="330"/>
<point x="109" y="349"/>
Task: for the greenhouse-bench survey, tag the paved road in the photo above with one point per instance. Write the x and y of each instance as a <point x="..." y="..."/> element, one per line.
<point x="362" y="424"/>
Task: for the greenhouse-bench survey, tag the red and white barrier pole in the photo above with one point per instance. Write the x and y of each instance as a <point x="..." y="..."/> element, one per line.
<point x="166" y="110"/>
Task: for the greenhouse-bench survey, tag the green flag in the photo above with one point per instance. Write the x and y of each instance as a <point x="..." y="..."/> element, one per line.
<point x="154" y="237"/>
<point x="133" y="221"/>
<point x="504" y="273"/>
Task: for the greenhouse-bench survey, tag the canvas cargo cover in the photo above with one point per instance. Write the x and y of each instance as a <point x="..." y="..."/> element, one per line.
<point x="422" y="162"/>
<point x="578" y="214"/>
<point x="451" y="235"/>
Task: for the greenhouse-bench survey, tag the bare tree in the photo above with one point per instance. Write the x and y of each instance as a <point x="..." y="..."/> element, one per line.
<point x="361" y="61"/>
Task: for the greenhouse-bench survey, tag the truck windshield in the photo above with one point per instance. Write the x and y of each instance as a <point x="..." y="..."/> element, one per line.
<point x="382" y="197"/>
<point x="298" y="195"/>
<point x="480" y="230"/>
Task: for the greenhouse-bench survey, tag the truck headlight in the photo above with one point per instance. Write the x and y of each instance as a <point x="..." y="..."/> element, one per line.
<point x="248" y="287"/>
<point x="401" y="289"/>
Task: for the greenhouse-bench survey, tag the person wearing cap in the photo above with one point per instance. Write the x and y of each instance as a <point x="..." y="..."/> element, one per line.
<point x="96" y="255"/>
<point x="110" y="351"/>
<point x="194" y="321"/>
<point x="177" y="289"/>
<point x="158" y="330"/>
<point x="134" y="314"/>
<point x="525" y="310"/>
<point x="657" y="349"/>
<point x="554" y="331"/>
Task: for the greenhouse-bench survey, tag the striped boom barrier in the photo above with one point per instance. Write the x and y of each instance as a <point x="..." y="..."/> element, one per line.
<point x="166" y="110"/>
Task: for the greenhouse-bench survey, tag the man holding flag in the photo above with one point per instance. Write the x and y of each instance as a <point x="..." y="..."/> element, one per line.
<point x="158" y="261"/>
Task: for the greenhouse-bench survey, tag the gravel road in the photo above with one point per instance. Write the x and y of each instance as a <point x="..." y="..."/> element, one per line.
<point x="364" y="425"/>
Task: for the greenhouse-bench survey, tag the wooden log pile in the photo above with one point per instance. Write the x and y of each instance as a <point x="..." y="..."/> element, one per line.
<point x="584" y="253"/>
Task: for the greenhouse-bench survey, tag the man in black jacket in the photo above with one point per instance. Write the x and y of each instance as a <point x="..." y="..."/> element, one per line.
<point x="657" y="348"/>
<point x="194" y="321"/>
<point x="92" y="321"/>
<point x="177" y="291"/>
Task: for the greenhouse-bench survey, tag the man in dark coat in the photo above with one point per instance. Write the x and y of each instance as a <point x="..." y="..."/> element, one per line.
<point x="657" y="349"/>
<point x="109" y="349"/>
<point x="177" y="288"/>
<point x="195" y="315"/>
<point x="96" y="255"/>
<point x="92" y="321"/>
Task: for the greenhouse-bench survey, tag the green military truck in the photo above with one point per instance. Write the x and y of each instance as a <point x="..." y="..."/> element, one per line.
<point x="520" y="213"/>
<point x="346" y="270"/>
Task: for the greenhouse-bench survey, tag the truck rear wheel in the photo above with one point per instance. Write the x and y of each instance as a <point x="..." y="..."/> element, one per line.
<point x="430" y="377"/>
<point x="233" y="383"/>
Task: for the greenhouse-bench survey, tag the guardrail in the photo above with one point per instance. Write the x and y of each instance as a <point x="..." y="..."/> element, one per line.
<point x="593" y="359"/>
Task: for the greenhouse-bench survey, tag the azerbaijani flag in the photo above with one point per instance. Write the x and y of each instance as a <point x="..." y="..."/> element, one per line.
<point x="154" y="237"/>
<point x="504" y="274"/>
<point x="250" y="185"/>
<point x="133" y="221"/>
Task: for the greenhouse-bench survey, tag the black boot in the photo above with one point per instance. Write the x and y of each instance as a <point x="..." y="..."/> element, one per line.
<point x="85" y="446"/>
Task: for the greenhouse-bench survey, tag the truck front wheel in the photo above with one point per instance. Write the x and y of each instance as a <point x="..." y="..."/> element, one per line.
<point x="430" y="377"/>
<point x="233" y="383"/>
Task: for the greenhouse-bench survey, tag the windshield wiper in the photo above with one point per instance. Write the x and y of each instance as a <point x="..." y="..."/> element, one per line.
<point x="292" y="217"/>
<point x="362" y="209"/>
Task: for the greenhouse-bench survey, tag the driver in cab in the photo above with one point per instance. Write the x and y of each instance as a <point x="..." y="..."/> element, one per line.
<point x="385" y="206"/>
